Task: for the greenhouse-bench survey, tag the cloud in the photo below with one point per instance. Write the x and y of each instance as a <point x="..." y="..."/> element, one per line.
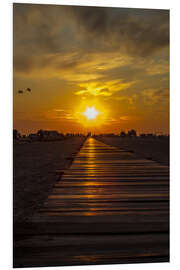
<point x="59" y="115"/>
<point x="156" y="96"/>
<point x="44" y="32"/>
<point x="102" y="88"/>
<point x="117" y="56"/>
<point x="105" y="92"/>
<point x="94" y="90"/>
<point x="137" y="31"/>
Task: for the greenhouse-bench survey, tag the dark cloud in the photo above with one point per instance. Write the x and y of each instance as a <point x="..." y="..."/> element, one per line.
<point x="67" y="53"/>
<point x="49" y="30"/>
<point x="94" y="20"/>
<point x="22" y="63"/>
<point x="137" y="31"/>
<point x="162" y="94"/>
<point x="40" y="29"/>
<point x="125" y="73"/>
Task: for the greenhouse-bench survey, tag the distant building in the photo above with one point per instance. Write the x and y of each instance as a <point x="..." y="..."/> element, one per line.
<point x="123" y="134"/>
<point x="49" y="135"/>
<point x="142" y="135"/>
<point x="150" y="135"/>
<point x="132" y="133"/>
<point x="34" y="136"/>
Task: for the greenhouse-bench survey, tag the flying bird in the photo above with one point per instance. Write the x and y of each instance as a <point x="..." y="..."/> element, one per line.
<point x="20" y="92"/>
<point x="28" y="89"/>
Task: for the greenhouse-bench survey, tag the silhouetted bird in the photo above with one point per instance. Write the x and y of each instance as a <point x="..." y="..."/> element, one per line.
<point x="20" y="92"/>
<point x="28" y="89"/>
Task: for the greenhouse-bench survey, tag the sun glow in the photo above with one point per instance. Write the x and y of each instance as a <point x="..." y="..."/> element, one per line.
<point x="91" y="113"/>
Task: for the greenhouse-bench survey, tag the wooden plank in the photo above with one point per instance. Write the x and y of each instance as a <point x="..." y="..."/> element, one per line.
<point x="108" y="207"/>
<point x="94" y="178"/>
<point x="117" y="184"/>
<point x="87" y="249"/>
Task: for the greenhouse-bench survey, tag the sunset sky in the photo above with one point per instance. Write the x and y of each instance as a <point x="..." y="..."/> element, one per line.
<point x="72" y="58"/>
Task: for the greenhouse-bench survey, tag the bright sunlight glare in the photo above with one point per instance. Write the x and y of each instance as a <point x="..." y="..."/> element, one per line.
<point x="91" y="113"/>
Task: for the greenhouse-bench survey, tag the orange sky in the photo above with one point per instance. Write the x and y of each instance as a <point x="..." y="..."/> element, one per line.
<point x="116" y="60"/>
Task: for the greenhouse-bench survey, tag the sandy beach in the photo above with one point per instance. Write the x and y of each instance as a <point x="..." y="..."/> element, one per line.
<point x="36" y="169"/>
<point x="156" y="149"/>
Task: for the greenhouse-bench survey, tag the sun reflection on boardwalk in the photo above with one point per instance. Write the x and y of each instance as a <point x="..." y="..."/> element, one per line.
<point x="110" y="195"/>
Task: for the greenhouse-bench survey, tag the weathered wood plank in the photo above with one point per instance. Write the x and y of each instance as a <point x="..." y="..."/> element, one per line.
<point x="85" y="249"/>
<point x="108" y="207"/>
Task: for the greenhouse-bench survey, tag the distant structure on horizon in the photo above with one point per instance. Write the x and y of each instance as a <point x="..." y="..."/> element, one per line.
<point x="43" y="135"/>
<point x="54" y="135"/>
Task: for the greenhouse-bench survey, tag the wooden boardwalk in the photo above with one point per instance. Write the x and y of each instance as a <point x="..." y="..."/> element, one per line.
<point x="108" y="207"/>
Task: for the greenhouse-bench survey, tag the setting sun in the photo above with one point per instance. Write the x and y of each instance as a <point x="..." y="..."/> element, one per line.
<point x="91" y="113"/>
<point x="90" y="134"/>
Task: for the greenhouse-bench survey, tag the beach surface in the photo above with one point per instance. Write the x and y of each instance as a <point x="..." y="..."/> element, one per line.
<point x="156" y="149"/>
<point x="37" y="166"/>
